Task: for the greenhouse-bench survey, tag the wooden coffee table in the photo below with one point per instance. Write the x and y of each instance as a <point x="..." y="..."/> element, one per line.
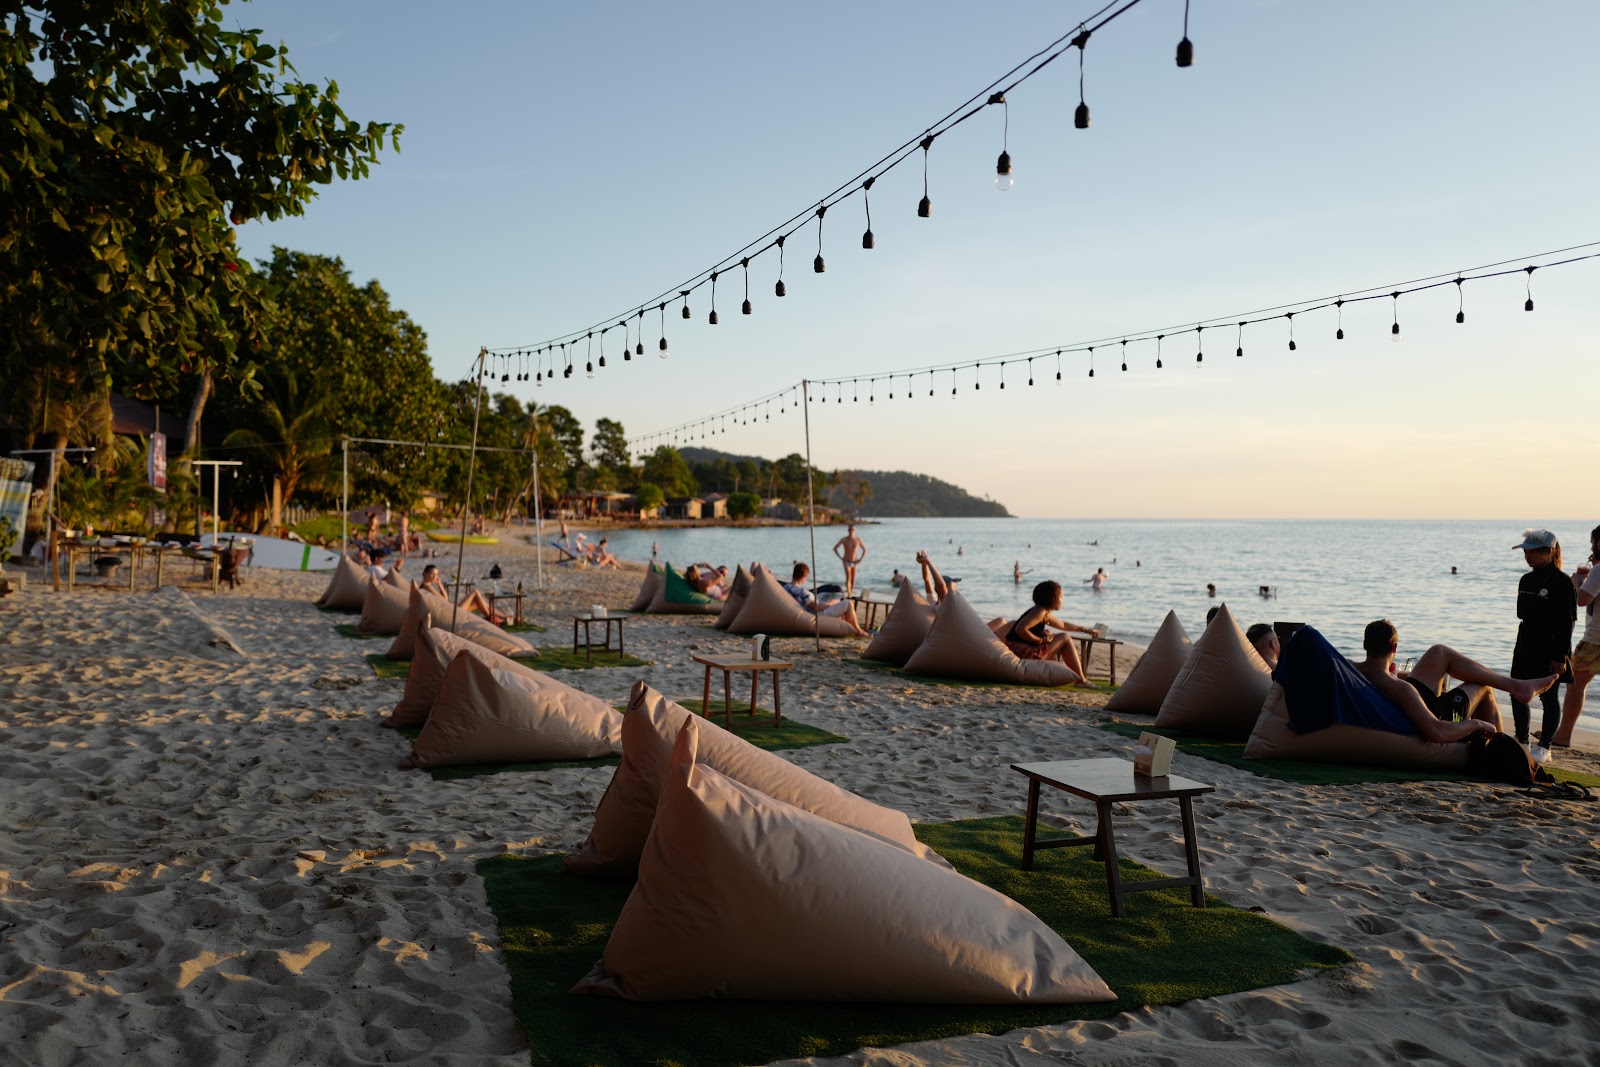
<point x="730" y="664"/>
<point x="588" y="645"/>
<point x="1106" y="782"/>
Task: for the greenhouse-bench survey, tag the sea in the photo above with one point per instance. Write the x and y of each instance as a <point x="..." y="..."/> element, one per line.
<point x="1449" y="582"/>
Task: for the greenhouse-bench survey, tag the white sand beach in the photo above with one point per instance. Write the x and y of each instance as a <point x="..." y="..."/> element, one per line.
<point x="212" y="858"/>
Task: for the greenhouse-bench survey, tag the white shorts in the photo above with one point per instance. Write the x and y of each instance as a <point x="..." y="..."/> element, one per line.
<point x="835" y="610"/>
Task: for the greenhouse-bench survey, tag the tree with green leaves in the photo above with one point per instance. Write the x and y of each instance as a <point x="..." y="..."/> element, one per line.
<point x="610" y="447"/>
<point x="666" y="469"/>
<point x="294" y="444"/>
<point x="743" y="505"/>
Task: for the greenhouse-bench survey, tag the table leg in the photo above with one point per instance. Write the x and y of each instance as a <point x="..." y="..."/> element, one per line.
<point x="574" y="637"/>
<point x="160" y="556"/>
<point x="727" y="699"/>
<point x="133" y="566"/>
<point x="622" y="651"/>
<point x="755" y="685"/>
<point x="517" y="618"/>
<point x="777" y="705"/>
<point x="588" y="640"/>
<point x="1030" y="827"/>
<point x="1112" y="651"/>
<point x="705" y="698"/>
<point x="1191" y="848"/>
<point x="1108" y="850"/>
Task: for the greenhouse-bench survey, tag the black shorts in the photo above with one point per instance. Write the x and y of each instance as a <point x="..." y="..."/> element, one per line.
<point x="1451" y="706"/>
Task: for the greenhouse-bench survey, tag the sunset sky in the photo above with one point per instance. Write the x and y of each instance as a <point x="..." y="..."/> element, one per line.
<point x="563" y="163"/>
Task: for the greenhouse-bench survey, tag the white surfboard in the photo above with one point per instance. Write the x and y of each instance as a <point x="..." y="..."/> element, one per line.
<point x="280" y="553"/>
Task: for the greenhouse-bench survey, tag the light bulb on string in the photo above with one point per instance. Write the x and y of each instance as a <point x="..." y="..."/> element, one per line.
<point x="1200" y="352"/>
<point x="1394" y="330"/>
<point x="602" y="359"/>
<point x="817" y="265"/>
<point x="925" y="206"/>
<point x="685" y="294"/>
<point x="712" y="318"/>
<point x="1091" y="361"/>
<point x="1080" y="117"/>
<point x="1338" y="334"/>
<point x="866" y="201"/>
<point x="627" y="349"/>
<point x="744" y="309"/>
<point x="1003" y="178"/>
<point x="779" y="289"/>
<point x="1030" y="370"/>
<point x="1002" y="374"/>
<point x="930" y="383"/>
<point x="505" y="369"/>
<point x="1124" y="355"/>
<point x="977" y="382"/>
<point x="1239" y="351"/>
<point x="566" y="372"/>
<point x="1290" y="317"/>
<point x="1159" y="336"/>
<point x="1461" y="306"/>
<point x="872" y="390"/>
<point x="638" y="330"/>
<point x="952" y="381"/>
<point x="1058" y="364"/>
<point x="1185" y="47"/>
<point x="588" y="358"/>
<point x="855" y="386"/>
<point x="1528" y="305"/>
<point x="661" y="348"/>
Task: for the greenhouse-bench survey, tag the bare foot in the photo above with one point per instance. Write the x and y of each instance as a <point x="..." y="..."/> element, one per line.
<point x="1524" y="690"/>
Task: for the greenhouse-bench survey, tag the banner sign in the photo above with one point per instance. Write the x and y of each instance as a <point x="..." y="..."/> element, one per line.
<point x="16" y="489"/>
<point x="158" y="462"/>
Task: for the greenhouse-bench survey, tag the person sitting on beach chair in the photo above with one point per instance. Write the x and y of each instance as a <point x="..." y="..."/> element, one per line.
<point x="601" y="556"/>
<point x="1469" y="708"/>
<point x="1030" y="637"/>
<point x="707" y="580"/>
<point x="474" y="601"/>
<point x="1264" y="639"/>
<point x="839" y="609"/>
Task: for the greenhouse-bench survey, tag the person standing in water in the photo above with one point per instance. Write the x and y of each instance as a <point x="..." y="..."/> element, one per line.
<point x="1097" y="581"/>
<point x="851" y="550"/>
<point x="1017" y="572"/>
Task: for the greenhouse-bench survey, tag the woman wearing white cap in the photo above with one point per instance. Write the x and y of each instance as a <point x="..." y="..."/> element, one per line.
<point x="1547" y="604"/>
<point x="1586" y="657"/>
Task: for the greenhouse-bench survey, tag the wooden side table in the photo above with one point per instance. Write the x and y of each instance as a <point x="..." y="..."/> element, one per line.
<point x="1107" y="781"/>
<point x="730" y="664"/>
<point x="588" y="645"/>
<point x="1086" y="646"/>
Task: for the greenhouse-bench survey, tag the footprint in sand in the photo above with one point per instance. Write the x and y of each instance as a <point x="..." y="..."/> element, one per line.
<point x="1374" y="924"/>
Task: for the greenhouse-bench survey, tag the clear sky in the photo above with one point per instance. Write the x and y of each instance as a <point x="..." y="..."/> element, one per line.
<point x="564" y="162"/>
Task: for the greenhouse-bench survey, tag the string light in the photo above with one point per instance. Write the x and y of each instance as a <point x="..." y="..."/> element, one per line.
<point x="866" y="201"/>
<point x="627" y="349"/>
<point x="1091" y="361"/>
<point x="602" y="360"/>
<point x="685" y="294"/>
<point x="1058" y="364"/>
<point x="925" y="206"/>
<point x="1528" y="305"/>
<point x="1002" y="374"/>
<point x="1239" y="352"/>
<point x="588" y="358"/>
<point x="1003" y="178"/>
<point x="977" y="380"/>
<point x="1159" y="336"/>
<point x="1199" y="355"/>
<point x="712" y="320"/>
<point x="1339" y="333"/>
<point x="661" y="349"/>
<point x="638" y="333"/>
<point x="1080" y="117"/>
<point x="779" y="290"/>
<point x="1030" y="370"/>
<point x="1185" y="47"/>
<point x="744" y="308"/>
<point x="1461" y="304"/>
<point x="817" y="266"/>
<point x="1290" y="317"/>
<point x="1394" y="331"/>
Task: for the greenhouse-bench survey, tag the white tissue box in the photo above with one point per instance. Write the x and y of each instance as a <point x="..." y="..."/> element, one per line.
<point x="1152" y="756"/>
<point x="755" y="645"/>
<point x="597" y="611"/>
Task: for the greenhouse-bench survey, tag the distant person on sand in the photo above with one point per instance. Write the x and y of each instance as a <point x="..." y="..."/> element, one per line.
<point x="1440" y="716"/>
<point x="1264" y="639"/>
<point x="1097" y="580"/>
<point x="839" y="609"/>
<point x="473" y="601"/>
<point x="1547" y="605"/>
<point x="1029" y="636"/>
<point x="1017" y="572"/>
<point x="1586" y="657"/>
<point x="851" y="550"/>
<point x="601" y="556"/>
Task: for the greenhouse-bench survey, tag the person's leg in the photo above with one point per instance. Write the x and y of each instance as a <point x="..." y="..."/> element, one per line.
<point x="1441" y="660"/>
<point x="1065" y="649"/>
<point x="1481" y="704"/>
<point x="1572" y="706"/>
<point x="1551" y="727"/>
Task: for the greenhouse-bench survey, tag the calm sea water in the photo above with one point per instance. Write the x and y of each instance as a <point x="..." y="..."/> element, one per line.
<point x="1336" y="575"/>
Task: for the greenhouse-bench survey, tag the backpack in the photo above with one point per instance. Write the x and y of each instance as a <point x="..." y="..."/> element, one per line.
<point x="1500" y="758"/>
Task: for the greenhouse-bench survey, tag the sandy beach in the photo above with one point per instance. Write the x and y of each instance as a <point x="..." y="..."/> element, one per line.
<point x="212" y="857"/>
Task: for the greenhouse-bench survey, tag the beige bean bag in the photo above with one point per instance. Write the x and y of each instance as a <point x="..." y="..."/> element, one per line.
<point x="768" y="609"/>
<point x="673" y="596"/>
<point x="737" y="591"/>
<point x="651" y="725"/>
<point x="743" y="896"/>
<point x="396" y="579"/>
<point x="961" y="645"/>
<point x="647" y="588"/>
<point x="1274" y="738"/>
<point x="474" y="628"/>
<point x="436" y="649"/>
<point x="903" y="632"/>
<point x="1151" y="679"/>
<point x="488" y="715"/>
<point x="347" y="589"/>
<point x="383" y="610"/>
<point x="1221" y="686"/>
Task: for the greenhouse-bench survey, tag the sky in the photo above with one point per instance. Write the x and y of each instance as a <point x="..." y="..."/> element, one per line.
<point x="563" y="163"/>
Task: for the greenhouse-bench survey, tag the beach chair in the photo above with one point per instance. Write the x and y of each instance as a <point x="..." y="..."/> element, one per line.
<point x="567" y="555"/>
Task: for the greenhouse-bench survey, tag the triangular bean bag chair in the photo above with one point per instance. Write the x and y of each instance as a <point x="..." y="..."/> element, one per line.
<point x="488" y="715"/>
<point x="436" y="649"/>
<point x="474" y="628"/>
<point x="396" y="579"/>
<point x="647" y="588"/>
<point x="1274" y="738"/>
<point x="903" y="632"/>
<point x="675" y="597"/>
<point x="961" y="645"/>
<point x="737" y="591"/>
<point x="768" y="609"/>
<point x="743" y="896"/>
<point x="347" y="589"/>
<point x="1151" y="678"/>
<point x="1221" y="686"/>
<point x="383" y="610"/>
<point x="649" y="728"/>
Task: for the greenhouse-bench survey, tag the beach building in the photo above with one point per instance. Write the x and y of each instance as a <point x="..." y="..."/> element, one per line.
<point x="683" y="507"/>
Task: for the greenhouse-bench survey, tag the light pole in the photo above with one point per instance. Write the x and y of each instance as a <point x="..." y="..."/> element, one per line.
<point x="216" y="488"/>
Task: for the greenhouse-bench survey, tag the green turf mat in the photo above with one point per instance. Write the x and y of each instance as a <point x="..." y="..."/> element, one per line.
<point x="1303" y="773"/>
<point x="549" y="659"/>
<point x="760" y="730"/>
<point x="526" y="628"/>
<point x="348" y="629"/>
<point x="337" y="611"/>
<point x="957" y="683"/>
<point x="553" y="928"/>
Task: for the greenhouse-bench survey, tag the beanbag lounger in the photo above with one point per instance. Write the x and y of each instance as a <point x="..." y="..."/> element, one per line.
<point x="647" y="589"/>
<point x="743" y="896"/>
<point x="436" y="650"/>
<point x="383" y="609"/>
<point x="769" y="609"/>
<point x="1151" y="679"/>
<point x="1221" y="686"/>
<point x="649" y="728"/>
<point x="903" y="632"/>
<point x="737" y="591"/>
<point x="961" y="645"/>
<point x="396" y="579"/>
<point x="674" y="597"/>
<point x="347" y="589"/>
<point x="474" y="628"/>
<point x="488" y="715"/>
<point x="1274" y="737"/>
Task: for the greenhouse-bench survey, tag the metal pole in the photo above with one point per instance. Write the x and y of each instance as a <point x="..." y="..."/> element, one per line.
<point x="811" y="513"/>
<point x="538" y="520"/>
<point x="344" y="515"/>
<point x="216" y="501"/>
<point x="466" y="507"/>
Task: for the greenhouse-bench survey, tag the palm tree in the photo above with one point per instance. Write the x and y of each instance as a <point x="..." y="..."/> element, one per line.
<point x="294" y="442"/>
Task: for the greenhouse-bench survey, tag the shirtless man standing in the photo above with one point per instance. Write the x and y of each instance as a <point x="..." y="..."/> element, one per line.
<point x="1441" y="716"/>
<point x="851" y="550"/>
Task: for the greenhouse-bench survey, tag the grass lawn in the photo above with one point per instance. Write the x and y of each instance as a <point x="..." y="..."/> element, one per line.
<point x="553" y="928"/>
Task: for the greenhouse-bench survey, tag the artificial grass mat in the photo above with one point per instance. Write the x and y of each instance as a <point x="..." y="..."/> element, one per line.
<point x="554" y="927"/>
<point x="760" y="730"/>
<point x="1302" y="773"/>
<point x="349" y="629"/>
<point x="549" y="659"/>
<point x="958" y="683"/>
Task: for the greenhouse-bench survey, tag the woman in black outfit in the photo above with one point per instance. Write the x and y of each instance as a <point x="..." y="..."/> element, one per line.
<point x="1547" y="606"/>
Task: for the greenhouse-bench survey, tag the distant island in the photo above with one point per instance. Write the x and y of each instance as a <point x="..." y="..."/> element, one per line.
<point x="874" y="494"/>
